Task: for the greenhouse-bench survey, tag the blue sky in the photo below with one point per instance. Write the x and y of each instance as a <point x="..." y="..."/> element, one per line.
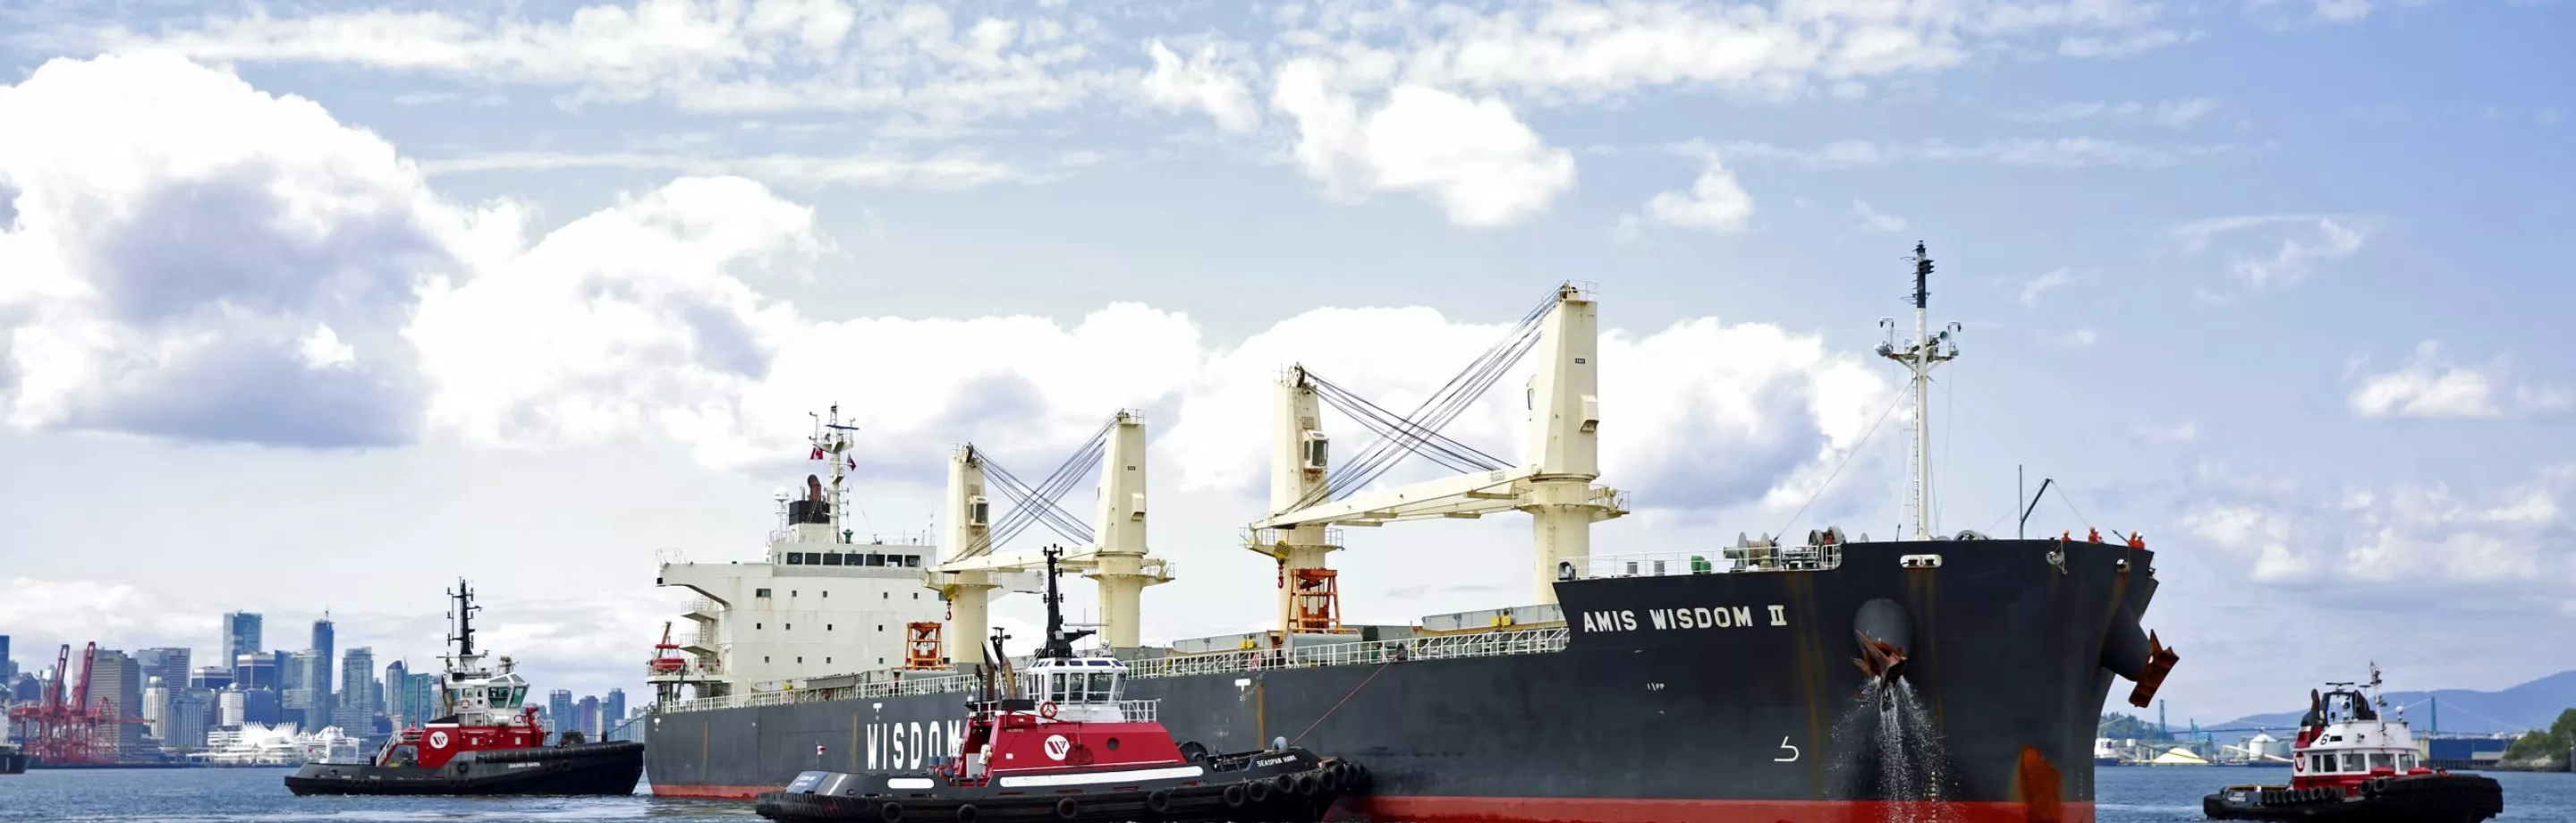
<point x="350" y="288"/>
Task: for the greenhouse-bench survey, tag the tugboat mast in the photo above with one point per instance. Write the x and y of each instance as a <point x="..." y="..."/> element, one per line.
<point x="463" y="612"/>
<point x="1919" y="356"/>
<point x="1059" y="642"/>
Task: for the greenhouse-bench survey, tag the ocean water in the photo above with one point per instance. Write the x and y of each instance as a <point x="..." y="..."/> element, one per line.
<point x="2126" y="795"/>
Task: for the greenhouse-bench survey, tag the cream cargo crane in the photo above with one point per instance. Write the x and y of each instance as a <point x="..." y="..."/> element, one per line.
<point x="1117" y="557"/>
<point x="1553" y="483"/>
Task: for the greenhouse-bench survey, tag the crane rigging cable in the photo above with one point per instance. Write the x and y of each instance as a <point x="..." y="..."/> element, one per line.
<point x="1037" y="504"/>
<point x="1049" y="489"/>
<point x="1409" y="434"/>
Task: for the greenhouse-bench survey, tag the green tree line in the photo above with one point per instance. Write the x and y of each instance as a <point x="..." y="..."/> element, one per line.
<point x="2551" y="745"/>
<point x="2125" y="727"/>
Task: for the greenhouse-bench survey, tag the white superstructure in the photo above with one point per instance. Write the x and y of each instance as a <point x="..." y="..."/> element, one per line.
<point x="820" y="602"/>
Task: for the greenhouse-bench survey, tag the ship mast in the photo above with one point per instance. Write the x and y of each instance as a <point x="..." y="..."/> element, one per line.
<point x="1919" y="356"/>
<point x="463" y="613"/>
<point x="831" y="442"/>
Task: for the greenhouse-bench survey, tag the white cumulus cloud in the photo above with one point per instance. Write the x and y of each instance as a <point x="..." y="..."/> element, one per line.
<point x="1714" y="201"/>
<point x="2425" y="385"/>
<point x="1472" y="157"/>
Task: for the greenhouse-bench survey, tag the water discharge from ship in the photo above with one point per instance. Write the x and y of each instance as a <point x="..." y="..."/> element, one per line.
<point x="1894" y="754"/>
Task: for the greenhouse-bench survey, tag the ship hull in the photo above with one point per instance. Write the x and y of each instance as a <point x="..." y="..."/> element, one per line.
<point x="1681" y="697"/>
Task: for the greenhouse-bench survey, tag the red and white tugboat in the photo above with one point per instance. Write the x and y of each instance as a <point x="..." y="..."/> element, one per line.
<point x="484" y="743"/>
<point x="2351" y="765"/>
<point x="1056" y="743"/>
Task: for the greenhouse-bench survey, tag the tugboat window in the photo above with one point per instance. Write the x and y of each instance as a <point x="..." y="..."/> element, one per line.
<point x="2406" y="762"/>
<point x="1101" y="686"/>
<point x="2352" y="762"/>
<point x="2383" y="760"/>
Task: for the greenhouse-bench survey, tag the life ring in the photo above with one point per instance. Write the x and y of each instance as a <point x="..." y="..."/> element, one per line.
<point x="1158" y="801"/>
<point x="1067" y="808"/>
<point x="1047" y="710"/>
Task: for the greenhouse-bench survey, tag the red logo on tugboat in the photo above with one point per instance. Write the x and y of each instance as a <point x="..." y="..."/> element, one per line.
<point x="1057" y="747"/>
<point x="438" y="740"/>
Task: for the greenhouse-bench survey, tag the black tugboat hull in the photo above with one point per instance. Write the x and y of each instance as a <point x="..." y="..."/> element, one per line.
<point x="596" y="769"/>
<point x="1293" y="786"/>
<point x="2453" y="798"/>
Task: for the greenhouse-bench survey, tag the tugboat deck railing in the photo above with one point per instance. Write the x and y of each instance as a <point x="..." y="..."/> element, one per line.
<point x="1429" y="647"/>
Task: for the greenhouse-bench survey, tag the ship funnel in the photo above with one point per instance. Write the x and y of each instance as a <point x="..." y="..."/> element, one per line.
<point x="1884" y="632"/>
<point x="2137" y="655"/>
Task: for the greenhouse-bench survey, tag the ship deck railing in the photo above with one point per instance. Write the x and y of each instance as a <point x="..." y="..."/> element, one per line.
<point x="1727" y="560"/>
<point x="1357" y="653"/>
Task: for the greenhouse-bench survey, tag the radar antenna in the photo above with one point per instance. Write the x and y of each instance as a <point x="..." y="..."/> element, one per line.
<point x="1059" y="641"/>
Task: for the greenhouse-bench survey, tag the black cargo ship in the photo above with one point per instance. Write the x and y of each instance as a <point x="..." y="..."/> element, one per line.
<point x="1681" y="697"/>
<point x="1939" y="678"/>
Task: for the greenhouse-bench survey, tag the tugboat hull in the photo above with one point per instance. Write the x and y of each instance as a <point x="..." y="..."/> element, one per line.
<point x="1291" y="787"/>
<point x="595" y="769"/>
<point x="2437" y="798"/>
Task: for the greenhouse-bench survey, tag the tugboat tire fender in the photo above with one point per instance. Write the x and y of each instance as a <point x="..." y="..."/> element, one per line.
<point x="1331" y="780"/>
<point x="966" y="813"/>
<point x="1067" y="808"/>
<point x="1235" y="796"/>
<point x="891" y="812"/>
<point x="1307" y="785"/>
<point x="1158" y="801"/>
<point x="1284" y="785"/>
<point x="1257" y="791"/>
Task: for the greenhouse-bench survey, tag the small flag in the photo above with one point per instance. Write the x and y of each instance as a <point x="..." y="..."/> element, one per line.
<point x="854" y="463"/>
<point x="818" y="453"/>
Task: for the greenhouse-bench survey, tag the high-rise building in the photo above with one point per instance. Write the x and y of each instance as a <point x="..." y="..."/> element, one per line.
<point x="115" y="679"/>
<point x="397" y="679"/>
<point x="355" y="710"/>
<point x="169" y="664"/>
<point x="612" y="710"/>
<point x="258" y="670"/>
<point x="232" y="708"/>
<point x="156" y="706"/>
<point x="8" y="667"/>
<point x="588" y="711"/>
<point x="241" y="635"/>
<point x="26" y="689"/>
<point x="294" y="670"/>
<point x="185" y="721"/>
<point x="559" y="716"/>
<point x="262" y="706"/>
<point x="211" y="678"/>
<point x="297" y="701"/>
<point x="320" y="680"/>
<point x="424" y="697"/>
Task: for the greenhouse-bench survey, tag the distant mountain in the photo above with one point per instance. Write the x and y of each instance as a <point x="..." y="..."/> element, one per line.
<point x="2532" y="705"/>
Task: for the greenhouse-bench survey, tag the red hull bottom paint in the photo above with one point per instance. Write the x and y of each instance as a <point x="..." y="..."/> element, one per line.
<point x="1606" y="810"/>
<point x="713" y="792"/>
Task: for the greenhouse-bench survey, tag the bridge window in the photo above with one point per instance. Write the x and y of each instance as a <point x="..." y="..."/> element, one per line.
<point x="2321" y="763"/>
<point x="760" y="592"/>
<point x="2383" y="760"/>
<point x="2352" y="762"/>
<point x="795" y="558"/>
<point x="831" y="558"/>
<point x="1104" y="686"/>
<point x="2405" y="762"/>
